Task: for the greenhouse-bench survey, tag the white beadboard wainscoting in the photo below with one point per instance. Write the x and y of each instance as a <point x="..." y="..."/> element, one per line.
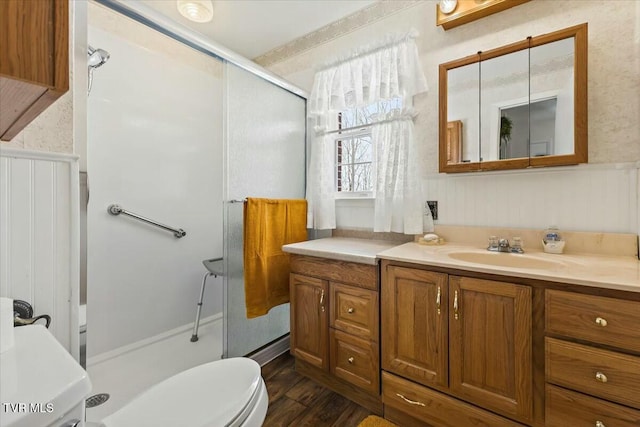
<point x="590" y="197"/>
<point x="39" y="237"/>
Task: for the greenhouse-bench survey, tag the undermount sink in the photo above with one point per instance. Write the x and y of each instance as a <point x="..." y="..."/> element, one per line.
<point x="506" y="260"/>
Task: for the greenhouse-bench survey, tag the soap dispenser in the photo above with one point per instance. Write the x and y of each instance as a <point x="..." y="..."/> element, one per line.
<point x="552" y="241"/>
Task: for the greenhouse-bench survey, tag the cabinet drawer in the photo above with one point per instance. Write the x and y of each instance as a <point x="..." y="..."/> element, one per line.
<point x="355" y="360"/>
<point x="353" y="273"/>
<point x="354" y="310"/>
<point x="598" y="319"/>
<point x="435" y="408"/>
<point x="606" y="374"/>
<point x="568" y="408"/>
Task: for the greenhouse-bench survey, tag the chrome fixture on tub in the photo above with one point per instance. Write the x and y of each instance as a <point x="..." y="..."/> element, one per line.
<point x="502" y="245"/>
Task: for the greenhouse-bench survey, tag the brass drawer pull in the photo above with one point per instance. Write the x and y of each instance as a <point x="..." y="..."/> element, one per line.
<point x="455" y="305"/>
<point x="412" y="402"/>
<point x="350" y="360"/>
<point x="322" y="301"/>
<point x="438" y="297"/>
<point x="350" y="310"/>
<point x="600" y="424"/>
<point x="601" y="377"/>
<point x="602" y="322"/>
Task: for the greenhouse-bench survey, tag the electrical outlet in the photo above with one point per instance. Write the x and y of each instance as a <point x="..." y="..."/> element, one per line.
<point x="432" y="205"/>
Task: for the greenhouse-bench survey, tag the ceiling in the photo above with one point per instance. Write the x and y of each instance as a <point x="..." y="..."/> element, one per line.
<point x="254" y="27"/>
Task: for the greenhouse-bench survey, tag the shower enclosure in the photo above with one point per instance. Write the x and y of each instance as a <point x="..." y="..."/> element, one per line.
<point x="178" y="128"/>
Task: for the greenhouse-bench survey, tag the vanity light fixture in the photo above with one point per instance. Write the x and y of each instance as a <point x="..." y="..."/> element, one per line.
<point x="447" y="6"/>
<point x="196" y="10"/>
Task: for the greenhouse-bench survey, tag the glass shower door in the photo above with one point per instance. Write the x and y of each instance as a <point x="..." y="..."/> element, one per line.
<point x="264" y="157"/>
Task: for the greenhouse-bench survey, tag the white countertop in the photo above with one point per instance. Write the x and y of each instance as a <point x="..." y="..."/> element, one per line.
<point x="341" y="248"/>
<point x="602" y="271"/>
<point x="611" y="272"/>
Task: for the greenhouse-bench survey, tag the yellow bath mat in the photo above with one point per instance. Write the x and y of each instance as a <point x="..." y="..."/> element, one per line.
<point x="373" y="421"/>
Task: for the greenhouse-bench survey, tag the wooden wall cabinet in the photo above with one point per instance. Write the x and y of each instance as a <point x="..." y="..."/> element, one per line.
<point x="468" y="338"/>
<point x="34" y="60"/>
<point x="335" y="326"/>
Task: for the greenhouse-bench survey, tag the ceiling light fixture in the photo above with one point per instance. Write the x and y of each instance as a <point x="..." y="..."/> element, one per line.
<point x="196" y="10"/>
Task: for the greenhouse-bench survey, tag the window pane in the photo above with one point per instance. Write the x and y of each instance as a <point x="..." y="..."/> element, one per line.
<point x="355" y="150"/>
<point x="354" y="177"/>
<point x="353" y="166"/>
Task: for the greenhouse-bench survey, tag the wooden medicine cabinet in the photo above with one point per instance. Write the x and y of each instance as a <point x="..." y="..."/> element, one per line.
<point x="517" y="106"/>
<point x="34" y="60"/>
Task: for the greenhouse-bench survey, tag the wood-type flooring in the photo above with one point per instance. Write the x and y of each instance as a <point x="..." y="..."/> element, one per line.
<point x="297" y="401"/>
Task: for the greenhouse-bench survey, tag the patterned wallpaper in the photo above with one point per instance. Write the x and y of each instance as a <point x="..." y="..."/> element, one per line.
<point x="336" y="29"/>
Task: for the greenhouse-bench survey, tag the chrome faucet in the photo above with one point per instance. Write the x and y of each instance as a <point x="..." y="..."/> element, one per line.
<point x="502" y="245"/>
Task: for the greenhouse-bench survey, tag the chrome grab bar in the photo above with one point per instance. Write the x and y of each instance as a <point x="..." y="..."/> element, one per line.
<point x="117" y="210"/>
<point x="237" y="200"/>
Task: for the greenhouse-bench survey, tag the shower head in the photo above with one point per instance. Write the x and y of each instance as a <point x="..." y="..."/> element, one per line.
<point x="97" y="57"/>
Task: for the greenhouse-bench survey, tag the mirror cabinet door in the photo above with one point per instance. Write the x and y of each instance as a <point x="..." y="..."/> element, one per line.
<point x="504" y="107"/>
<point x="552" y="98"/>
<point x="463" y="109"/>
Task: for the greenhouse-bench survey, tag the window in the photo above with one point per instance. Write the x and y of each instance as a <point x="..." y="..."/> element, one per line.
<point x="354" y="155"/>
<point x="354" y="149"/>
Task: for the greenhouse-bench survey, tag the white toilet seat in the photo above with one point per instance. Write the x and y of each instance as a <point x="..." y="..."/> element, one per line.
<point x="224" y="393"/>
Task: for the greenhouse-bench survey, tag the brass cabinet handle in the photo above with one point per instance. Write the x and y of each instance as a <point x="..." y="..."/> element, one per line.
<point x="600" y="424"/>
<point x="455" y="305"/>
<point x="600" y="321"/>
<point x="412" y="402"/>
<point x="322" y="301"/>
<point x="438" y="297"/>
<point x="350" y="310"/>
<point x="601" y="377"/>
<point x="350" y="360"/>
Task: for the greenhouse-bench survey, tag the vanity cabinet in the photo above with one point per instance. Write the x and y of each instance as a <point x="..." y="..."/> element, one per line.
<point x="309" y="319"/>
<point x="335" y="326"/>
<point x="465" y="337"/>
<point x="34" y="60"/>
<point x="592" y="360"/>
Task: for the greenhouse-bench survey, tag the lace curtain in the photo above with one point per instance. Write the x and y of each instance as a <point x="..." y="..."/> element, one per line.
<point x="398" y="193"/>
<point x="388" y="70"/>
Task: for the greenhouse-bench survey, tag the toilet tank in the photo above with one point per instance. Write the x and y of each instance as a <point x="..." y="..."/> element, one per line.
<point x="41" y="385"/>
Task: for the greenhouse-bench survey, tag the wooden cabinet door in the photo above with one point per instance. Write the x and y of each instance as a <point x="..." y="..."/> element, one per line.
<point x="309" y="319"/>
<point x="490" y="345"/>
<point x="414" y="324"/>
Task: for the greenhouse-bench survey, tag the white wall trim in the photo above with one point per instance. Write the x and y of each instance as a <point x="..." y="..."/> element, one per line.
<point x="18" y="153"/>
<point x="74" y="261"/>
<point x="101" y="358"/>
<point x="40" y="254"/>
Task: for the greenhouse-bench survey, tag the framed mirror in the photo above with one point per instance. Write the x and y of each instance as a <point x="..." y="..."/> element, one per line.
<point x="517" y="106"/>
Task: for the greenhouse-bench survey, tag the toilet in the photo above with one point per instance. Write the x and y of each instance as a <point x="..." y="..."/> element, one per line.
<point x="50" y="391"/>
<point x="224" y="393"/>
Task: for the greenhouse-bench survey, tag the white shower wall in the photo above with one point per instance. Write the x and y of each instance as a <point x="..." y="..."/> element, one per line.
<point x="155" y="148"/>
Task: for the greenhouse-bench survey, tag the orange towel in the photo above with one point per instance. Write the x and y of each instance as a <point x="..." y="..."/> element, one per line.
<point x="269" y="224"/>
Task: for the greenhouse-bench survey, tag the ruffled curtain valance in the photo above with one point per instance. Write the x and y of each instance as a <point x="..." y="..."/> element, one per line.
<point x="391" y="69"/>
